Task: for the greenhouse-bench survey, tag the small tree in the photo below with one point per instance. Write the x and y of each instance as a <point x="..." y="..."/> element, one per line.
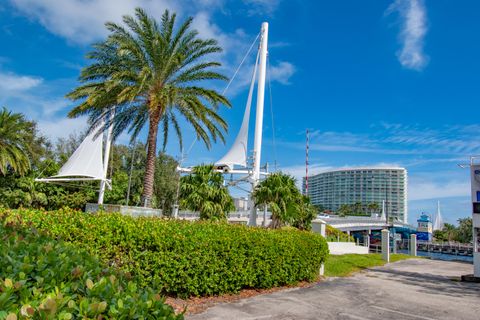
<point x="303" y="213"/>
<point x="278" y="191"/>
<point x="203" y="191"/>
<point x="465" y="230"/>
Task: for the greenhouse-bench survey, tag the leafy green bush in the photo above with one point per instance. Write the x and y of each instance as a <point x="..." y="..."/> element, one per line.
<point x="41" y="278"/>
<point x="189" y="258"/>
<point x="334" y="235"/>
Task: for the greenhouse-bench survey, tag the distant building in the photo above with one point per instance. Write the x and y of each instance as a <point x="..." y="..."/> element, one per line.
<point x="365" y="185"/>
<point x="241" y="204"/>
<point x="424" y="228"/>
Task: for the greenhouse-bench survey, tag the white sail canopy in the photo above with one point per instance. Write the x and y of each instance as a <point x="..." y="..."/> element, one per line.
<point x="237" y="155"/>
<point x="86" y="161"/>
<point x="438" y="223"/>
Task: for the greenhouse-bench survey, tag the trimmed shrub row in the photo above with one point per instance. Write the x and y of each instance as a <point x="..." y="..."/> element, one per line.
<point x="189" y="258"/>
<point x="41" y="278"/>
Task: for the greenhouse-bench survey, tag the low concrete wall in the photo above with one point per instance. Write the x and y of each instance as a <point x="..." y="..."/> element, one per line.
<point x="125" y="210"/>
<point x="346" y="247"/>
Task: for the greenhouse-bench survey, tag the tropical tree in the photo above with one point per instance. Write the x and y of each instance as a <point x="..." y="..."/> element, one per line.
<point x="465" y="230"/>
<point x="344" y="210"/>
<point x="373" y="207"/>
<point x="450" y="231"/>
<point x="278" y="191"/>
<point x="153" y="74"/>
<point x="166" y="183"/>
<point x="303" y="213"/>
<point x="15" y="135"/>
<point x="203" y="191"/>
<point x="357" y="208"/>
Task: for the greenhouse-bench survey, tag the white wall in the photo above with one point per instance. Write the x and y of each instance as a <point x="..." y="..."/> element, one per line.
<point x="346" y="247"/>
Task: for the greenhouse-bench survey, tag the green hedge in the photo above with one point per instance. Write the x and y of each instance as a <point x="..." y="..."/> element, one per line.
<point x="41" y="278"/>
<point x="189" y="258"/>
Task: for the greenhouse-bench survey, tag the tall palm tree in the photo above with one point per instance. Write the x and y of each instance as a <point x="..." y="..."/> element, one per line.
<point x="15" y="134"/>
<point x="278" y="191"/>
<point x="153" y="74"/>
<point x="203" y="191"/>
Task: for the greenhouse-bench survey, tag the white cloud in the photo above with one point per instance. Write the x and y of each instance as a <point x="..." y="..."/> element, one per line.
<point x="55" y="128"/>
<point x="431" y="190"/>
<point x="412" y="34"/>
<point x="282" y="72"/>
<point x="396" y="139"/>
<point x="82" y="21"/>
<point x="12" y="82"/>
<point x="260" y="7"/>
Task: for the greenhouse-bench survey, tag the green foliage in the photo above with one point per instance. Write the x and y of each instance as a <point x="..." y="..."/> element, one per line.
<point x="465" y="230"/>
<point x="22" y="191"/>
<point x="16" y="142"/>
<point x="334" y="235"/>
<point x="153" y="73"/>
<point x="346" y="264"/>
<point x="166" y="183"/>
<point x="279" y="192"/>
<point x="303" y="212"/>
<point x="45" y="279"/>
<point x="344" y="210"/>
<point x="188" y="258"/>
<point x="357" y="209"/>
<point x="203" y="191"/>
<point x="462" y="233"/>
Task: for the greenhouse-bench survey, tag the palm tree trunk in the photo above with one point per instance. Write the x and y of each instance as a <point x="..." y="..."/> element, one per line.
<point x="151" y="157"/>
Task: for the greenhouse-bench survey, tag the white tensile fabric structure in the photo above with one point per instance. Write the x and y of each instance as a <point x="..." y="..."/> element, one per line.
<point x="237" y="155"/>
<point x="86" y="161"/>
<point x="438" y="223"/>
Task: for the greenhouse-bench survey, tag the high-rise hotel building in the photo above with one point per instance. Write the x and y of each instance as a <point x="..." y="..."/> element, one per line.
<point x="366" y="185"/>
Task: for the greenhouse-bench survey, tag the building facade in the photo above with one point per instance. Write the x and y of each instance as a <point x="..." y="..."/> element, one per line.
<point x="365" y="185"/>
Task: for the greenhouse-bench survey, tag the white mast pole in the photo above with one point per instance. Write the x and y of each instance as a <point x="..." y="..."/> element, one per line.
<point x="257" y="148"/>
<point x="106" y="157"/>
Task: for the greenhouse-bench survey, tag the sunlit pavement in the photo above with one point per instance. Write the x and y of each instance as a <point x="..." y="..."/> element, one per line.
<point x="410" y="289"/>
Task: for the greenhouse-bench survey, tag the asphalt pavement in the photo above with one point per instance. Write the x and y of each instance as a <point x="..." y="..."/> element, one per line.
<point x="410" y="289"/>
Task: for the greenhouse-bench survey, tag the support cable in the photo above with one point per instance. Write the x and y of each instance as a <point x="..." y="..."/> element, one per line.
<point x="271" y="113"/>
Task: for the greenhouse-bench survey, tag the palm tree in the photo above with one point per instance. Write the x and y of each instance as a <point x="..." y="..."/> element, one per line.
<point x="373" y="207"/>
<point x="152" y="73"/>
<point x="344" y="210"/>
<point x="303" y="212"/>
<point x="278" y="191"/>
<point x="203" y="191"/>
<point x="15" y="134"/>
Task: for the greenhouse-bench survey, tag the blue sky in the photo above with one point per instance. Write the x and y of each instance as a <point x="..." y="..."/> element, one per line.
<point x="386" y="82"/>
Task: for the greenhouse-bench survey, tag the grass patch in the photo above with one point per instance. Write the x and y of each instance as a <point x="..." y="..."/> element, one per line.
<point x="346" y="264"/>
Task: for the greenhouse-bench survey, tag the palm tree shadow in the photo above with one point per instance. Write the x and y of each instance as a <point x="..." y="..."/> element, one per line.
<point x="433" y="283"/>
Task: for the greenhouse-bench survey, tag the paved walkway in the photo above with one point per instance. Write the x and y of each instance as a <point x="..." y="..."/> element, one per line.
<point x="411" y="289"/>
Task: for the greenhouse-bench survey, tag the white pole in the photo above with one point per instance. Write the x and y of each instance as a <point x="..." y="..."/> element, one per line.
<point x="106" y="156"/>
<point x="386" y="245"/>
<point x="413" y="245"/>
<point x="257" y="148"/>
<point x="323" y="233"/>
